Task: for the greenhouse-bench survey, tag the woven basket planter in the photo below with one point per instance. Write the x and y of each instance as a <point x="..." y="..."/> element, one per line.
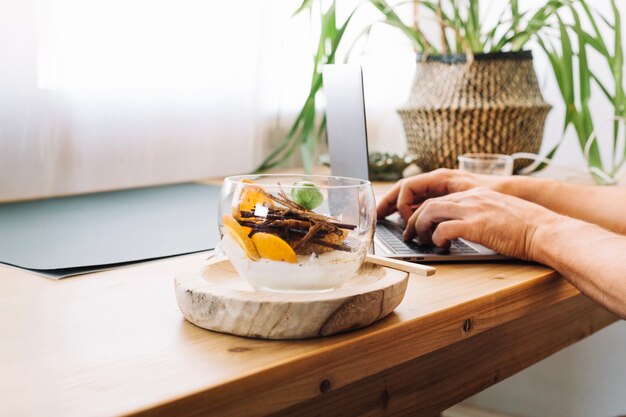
<point x="492" y="105"/>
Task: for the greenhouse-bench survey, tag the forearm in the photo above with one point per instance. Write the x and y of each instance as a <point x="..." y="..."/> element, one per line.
<point x="603" y="206"/>
<point x="591" y="258"/>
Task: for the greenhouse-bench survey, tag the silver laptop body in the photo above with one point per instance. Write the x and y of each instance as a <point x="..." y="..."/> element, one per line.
<point x="347" y="146"/>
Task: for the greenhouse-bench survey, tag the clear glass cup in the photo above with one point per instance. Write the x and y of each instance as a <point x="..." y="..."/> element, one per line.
<point x="296" y="232"/>
<point x="486" y="163"/>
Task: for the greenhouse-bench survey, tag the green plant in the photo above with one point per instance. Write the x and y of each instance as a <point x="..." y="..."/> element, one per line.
<point x="308" y="127"/>
<point x="461" y="30"/>
<point x="575" y="78"/>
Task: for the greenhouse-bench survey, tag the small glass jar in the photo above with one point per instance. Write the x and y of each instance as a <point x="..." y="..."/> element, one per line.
<point x="296" y="233"/>
<point x="486" y="163"/>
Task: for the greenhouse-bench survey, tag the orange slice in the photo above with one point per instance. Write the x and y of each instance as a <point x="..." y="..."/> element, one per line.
<point x="272" y="247"/>
<point x="251" y="196"/>
<point x="237" y="233"/>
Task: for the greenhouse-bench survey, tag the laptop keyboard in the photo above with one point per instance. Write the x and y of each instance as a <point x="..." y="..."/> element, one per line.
<point x="392" y="236"/>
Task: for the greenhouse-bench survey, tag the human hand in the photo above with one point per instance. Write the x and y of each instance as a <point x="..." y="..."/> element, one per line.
<point x="506" y="224"/>
<point x="409" y="193"/>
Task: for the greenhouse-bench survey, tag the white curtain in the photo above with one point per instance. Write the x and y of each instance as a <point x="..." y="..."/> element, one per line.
<point x="107" y="94"/>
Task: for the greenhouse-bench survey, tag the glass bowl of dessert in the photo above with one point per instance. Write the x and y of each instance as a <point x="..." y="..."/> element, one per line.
<point x="296" y="232"/>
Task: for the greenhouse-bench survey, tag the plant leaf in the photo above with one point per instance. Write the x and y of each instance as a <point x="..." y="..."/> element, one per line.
<point x="306" y="5"/>
<point x="392" y="19"/>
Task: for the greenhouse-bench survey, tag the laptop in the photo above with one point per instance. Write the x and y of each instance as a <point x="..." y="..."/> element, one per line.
<point x="347" y="148"/>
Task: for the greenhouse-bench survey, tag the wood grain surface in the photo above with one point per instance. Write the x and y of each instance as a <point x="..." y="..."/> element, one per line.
<point x="429" y="384"/>
<point x="217" y="298"/>
<point x="115" y="343"/>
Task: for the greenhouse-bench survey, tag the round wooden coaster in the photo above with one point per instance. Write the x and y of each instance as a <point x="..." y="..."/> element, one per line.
<point x="218" y="299"/>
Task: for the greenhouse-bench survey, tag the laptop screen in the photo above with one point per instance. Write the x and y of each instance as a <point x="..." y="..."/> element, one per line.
<point x="346" y="124"/>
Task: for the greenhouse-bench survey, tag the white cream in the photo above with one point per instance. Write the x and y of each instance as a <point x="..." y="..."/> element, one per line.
<point x="322" y="272"/>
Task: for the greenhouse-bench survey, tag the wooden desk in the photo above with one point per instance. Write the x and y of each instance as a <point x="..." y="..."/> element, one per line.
<point x="115" y="343"/>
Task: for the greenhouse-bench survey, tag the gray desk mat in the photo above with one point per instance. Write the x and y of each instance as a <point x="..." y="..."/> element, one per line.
<point x="67" y="236"/>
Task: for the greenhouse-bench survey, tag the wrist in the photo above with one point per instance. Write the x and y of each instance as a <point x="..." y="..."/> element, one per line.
<point x="525" y="187"/>
<point x="552" y="234"/>
<point x="513" y="185"/>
